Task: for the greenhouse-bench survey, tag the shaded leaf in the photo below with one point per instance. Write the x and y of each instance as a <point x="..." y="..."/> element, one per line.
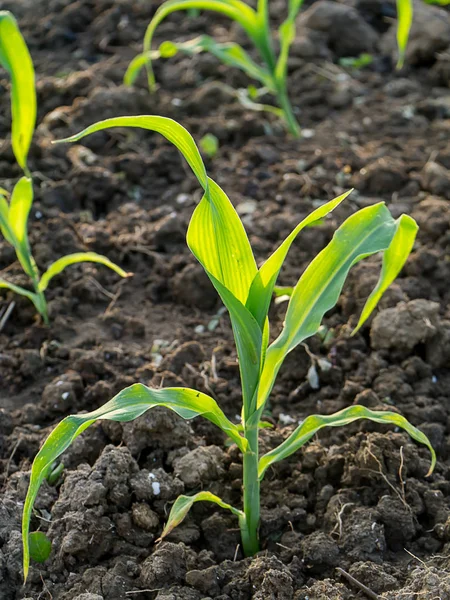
<point x="129" y="404"/>
<point x="312" y="424"/>
<point x="40" y="546"/>
<point x="183" y="505"/>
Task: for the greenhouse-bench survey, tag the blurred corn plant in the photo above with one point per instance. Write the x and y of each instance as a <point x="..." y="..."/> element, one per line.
<point x="271" y="74"/>
<point x="405" y="16"/>
<point x="217" y="238"/>
<point x="15" y="208"/>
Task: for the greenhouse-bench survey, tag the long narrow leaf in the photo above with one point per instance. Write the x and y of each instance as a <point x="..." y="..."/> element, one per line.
<point x="393" y="261"/>
<point x="287" y="36"/>
<point x="19" y="209"/>
<point x="183" y="505"/>
<point x="404" y="22"/>
<point x="170" y="129"/>
<point x="73" y="259"/>
<point x="4" y="221"/>
<point x="218" y="240"/>
<point x="367" y="232"/>
<point x="18" y="290"/>
<point x="16" y="59"/>
<point x="264" y="281"/>
<point x="234" y="9"/>
<point x="230" y="54"/>
<point x="129" y="404"/>
<point x="312" y="424"/>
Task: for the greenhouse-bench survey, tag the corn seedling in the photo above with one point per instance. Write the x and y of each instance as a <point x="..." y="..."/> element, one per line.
<point x="209" y="145"/>
<point x="404" y="24"/>
<point x="217" y="238"/>
<point x="16" y="59"/>
<point x="271" y="73"/>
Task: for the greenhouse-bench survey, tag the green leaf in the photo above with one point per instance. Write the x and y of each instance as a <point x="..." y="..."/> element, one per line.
<point x="367" y="232"/>
<point x="16" y="59"/>
<point x="312" y="424"/>
<point x="230" y="54"/>
<point x="183" y="505"/>
<point x="129" y="404"/>
<point x="170" y="129"/>
<point x="4" y="221"/>
<point x="404" y="22"/>
<point x="393" y="261"/>
<point x="139" y="62"/>
<point x="40" y="546"/>
<point x="73" y="259"/>
<point x="218" y="240"/>
<point x="209" y="145"/>
<point x="264" y="281"/>
<point x="287" y="35"/>
<point x="18" y="290"/>
<point x="19" y="209"/>
<point x="234" y="9"/>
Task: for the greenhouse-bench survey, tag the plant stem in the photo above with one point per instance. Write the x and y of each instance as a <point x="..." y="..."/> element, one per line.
<point x="249" y="528"/>
<point x="289" y="117"/>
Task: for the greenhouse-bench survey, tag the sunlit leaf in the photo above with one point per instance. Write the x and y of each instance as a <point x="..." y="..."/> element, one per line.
<point x="234" y="9"/>
<point x="73" y="259"/>
<point x="264" y="281"/>
<point x="129" y="404"/>
<point x="15" y="58"/>
<point x="393" y="261"/>
<point x="312" y="424"/>
<point x="170" y="129"/>
<point x="404" y="22"/>
<point x="367" y="232"/>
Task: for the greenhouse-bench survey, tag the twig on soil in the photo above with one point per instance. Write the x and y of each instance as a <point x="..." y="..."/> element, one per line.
<point x="401" y="495"/>
<point x="7" y="314"/>
<point x="115" y="297"/>
<point x="99" y="286"/>
<point x="45" y="590"/>
<point x="236" y="553"/>
<point x="369" y="593"/>
<point x="142" y="591"/>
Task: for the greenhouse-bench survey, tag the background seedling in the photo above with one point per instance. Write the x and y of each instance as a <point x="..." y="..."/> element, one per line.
<point x="209" y="145"/>
<point x="16" y="59"/>
<point x="272" y="74"/>
<point x="218" y="240"/>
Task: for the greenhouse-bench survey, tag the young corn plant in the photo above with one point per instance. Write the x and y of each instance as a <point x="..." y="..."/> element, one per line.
<point x="271" y="73"/>
<point x="217" y="239"/>
<point x="16" y="59"/>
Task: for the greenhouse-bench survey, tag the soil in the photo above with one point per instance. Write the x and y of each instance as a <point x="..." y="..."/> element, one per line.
<point x="355" y="498"/>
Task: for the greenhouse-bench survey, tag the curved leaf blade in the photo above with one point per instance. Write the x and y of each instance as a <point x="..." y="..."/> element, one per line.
<point x="264" y="281"/>
<point x="73" y="259"/>
<point x="217" y="238"/>
<point x="366" y="232"/>
<point x="18" y="290"/>
<point x="129" y="404"/>
<point x="236" y="10"/>
<point x="312" y="424"/>
<point x="170" y="129"/>
<point x="16" y="59"/>
<point x="394" y="259"/>
<point x="183" y="505"/>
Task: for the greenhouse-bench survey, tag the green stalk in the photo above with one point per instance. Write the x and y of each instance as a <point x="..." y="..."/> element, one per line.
<point x="249" y="528"/>
<point x="285" y="105"/>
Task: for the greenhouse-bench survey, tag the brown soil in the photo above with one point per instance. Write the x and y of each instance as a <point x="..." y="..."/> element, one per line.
<point x="356" y="498"/>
